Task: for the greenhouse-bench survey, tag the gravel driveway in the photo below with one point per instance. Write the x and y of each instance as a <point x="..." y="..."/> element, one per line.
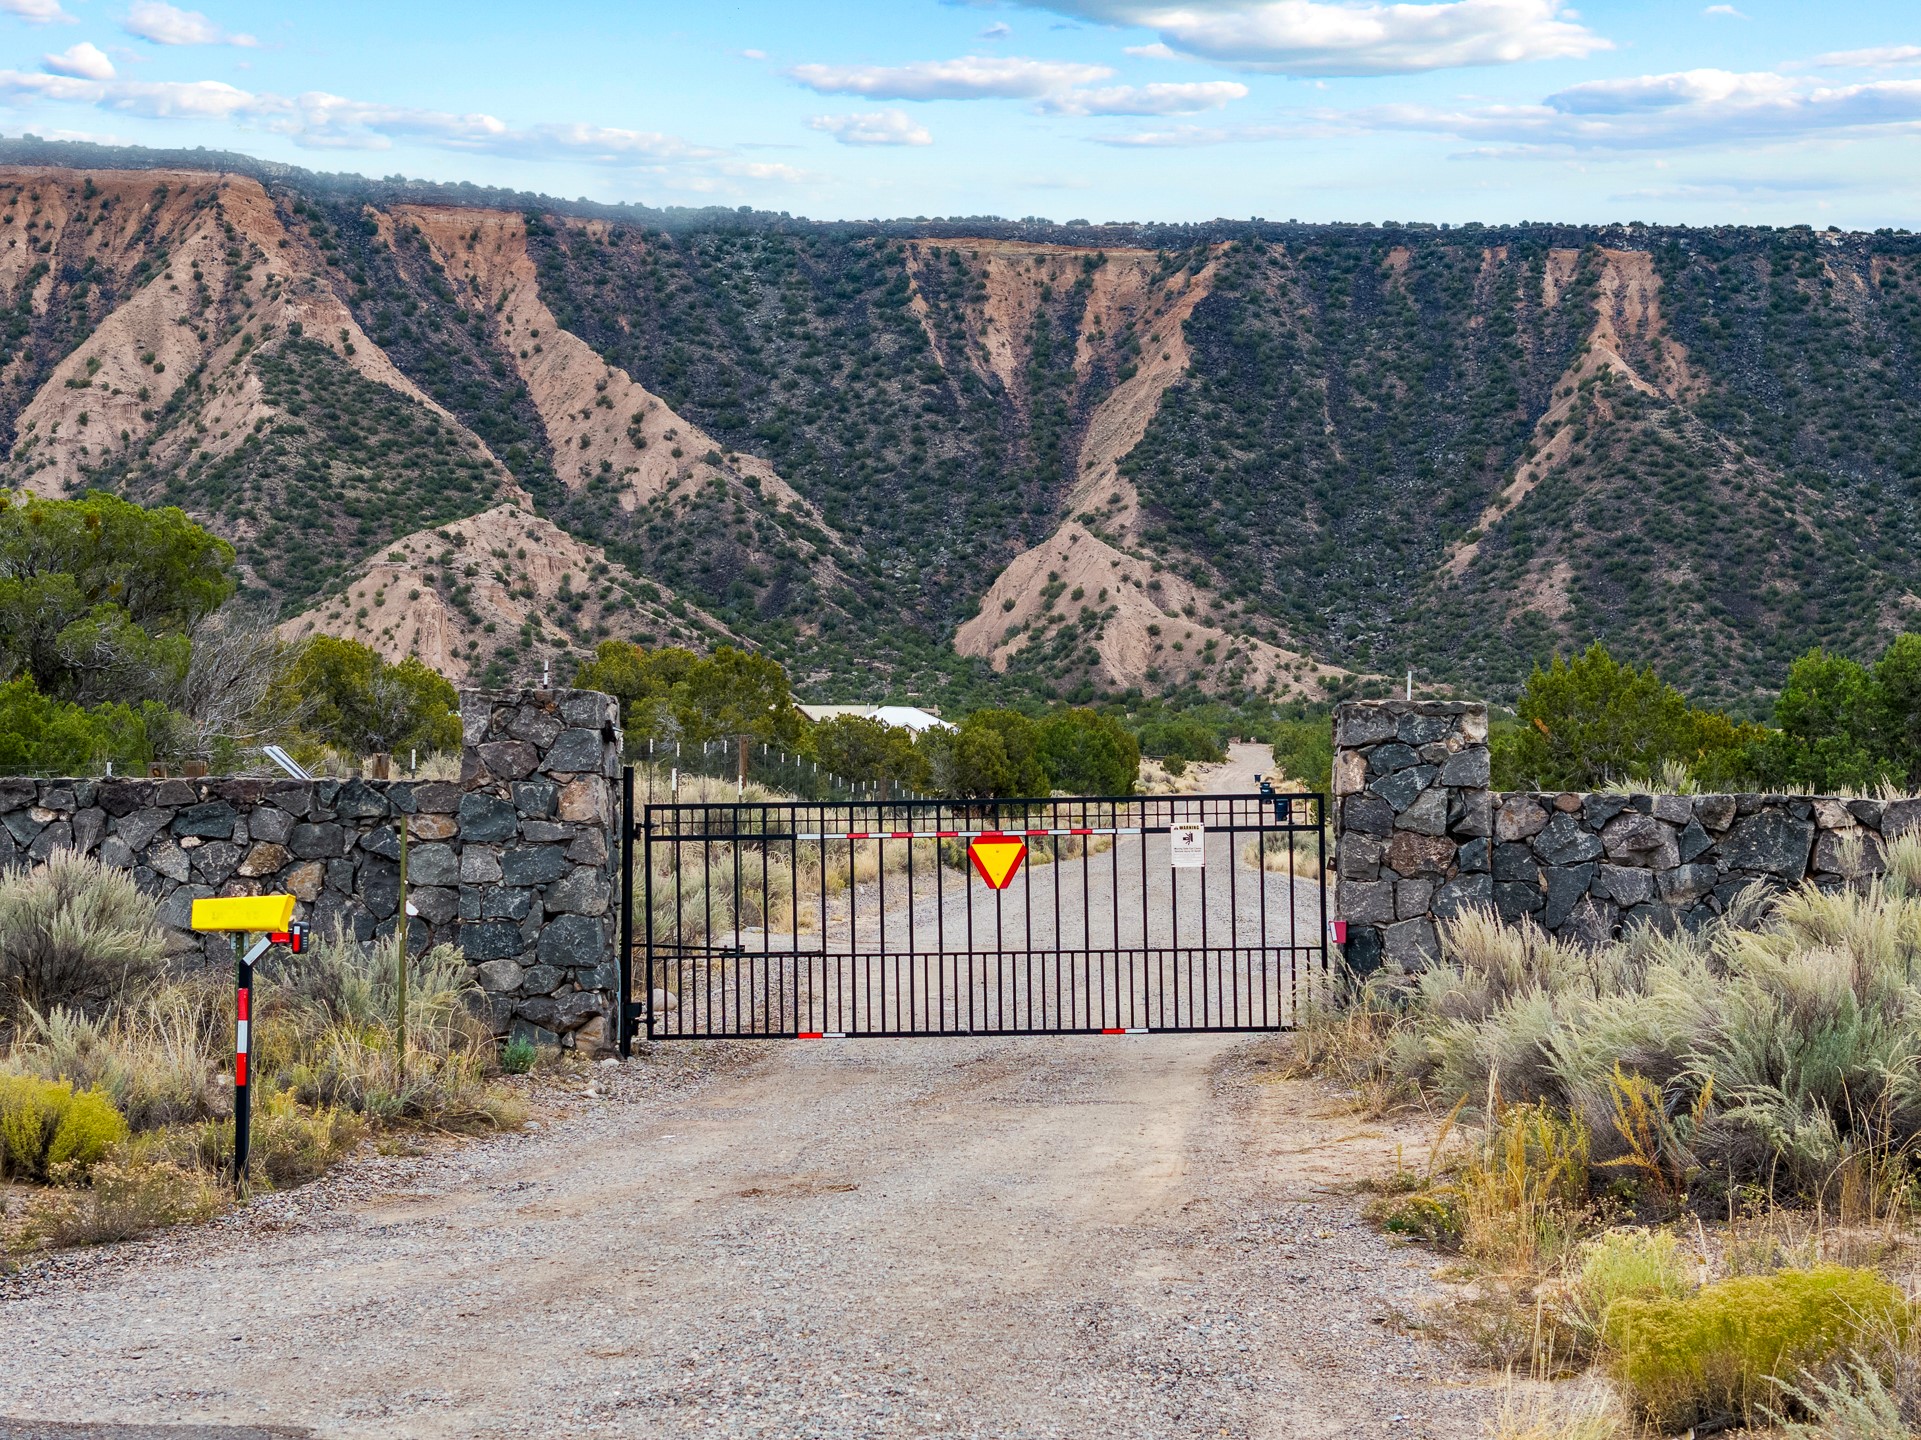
<point x="1125" y="1236"/>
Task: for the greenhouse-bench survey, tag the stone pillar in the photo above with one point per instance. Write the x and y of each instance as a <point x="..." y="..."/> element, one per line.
<point x="1412" y="820"/>
<point x="539" y="821"/>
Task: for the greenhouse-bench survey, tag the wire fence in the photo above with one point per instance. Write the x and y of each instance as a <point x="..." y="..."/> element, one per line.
<point x="662" y="768"/>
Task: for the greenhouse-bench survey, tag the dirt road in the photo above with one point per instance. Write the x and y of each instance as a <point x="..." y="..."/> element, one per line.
<point x="972" y="1239"/>
<point x="1136" y="1236"/>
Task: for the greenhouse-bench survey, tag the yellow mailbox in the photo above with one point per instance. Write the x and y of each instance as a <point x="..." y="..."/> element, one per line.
<point x="254" y="914"/>
<point x="271" y="918"/>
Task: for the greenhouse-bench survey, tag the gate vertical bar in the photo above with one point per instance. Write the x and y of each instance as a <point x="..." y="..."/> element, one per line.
<point x="623" y="1008"/>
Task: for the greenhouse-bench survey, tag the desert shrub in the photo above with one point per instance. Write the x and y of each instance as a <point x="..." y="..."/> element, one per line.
<point x="73" y="932"/>
<point x="1771" y="1048"/>
<point x="1524" y="1186"/>
<point x="517" y="1056"/>
<point x="1630" y="1264"/>
<point x="158" y="1058"/>
<point x="1424" y="1214"/>
<point x="1722" y="1352"/>
<point x="1876" y="1395"/>
<point x="337" y="980"/>
<point x="330" y="1033"/>
<point x="49" y="1129"/>
<point x="125" y="1199"/>
<point x="291" y="1146"/>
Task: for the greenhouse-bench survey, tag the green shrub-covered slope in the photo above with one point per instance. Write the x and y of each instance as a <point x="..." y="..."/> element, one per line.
<point x="1742" y="484"/>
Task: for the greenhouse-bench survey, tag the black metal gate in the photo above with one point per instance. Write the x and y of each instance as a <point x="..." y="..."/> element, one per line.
<point x="1116" y="915"/>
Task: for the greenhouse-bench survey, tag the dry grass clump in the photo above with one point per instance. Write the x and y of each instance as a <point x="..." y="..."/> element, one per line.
<point x="1542" y="1413"/>
<point x="125" y="1199"/>
<point x="1289" y="852"/>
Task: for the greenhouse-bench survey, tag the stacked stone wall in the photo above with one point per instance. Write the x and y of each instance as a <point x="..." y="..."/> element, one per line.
<point x="539" y="821"/>
<point x="514" y="863"/>
<point x="333" y="844"/>
<point x="1580" y="865"/>
<point x="1412" y="816"/>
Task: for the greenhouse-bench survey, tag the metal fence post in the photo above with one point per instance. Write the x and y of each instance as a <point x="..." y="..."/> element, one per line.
<point x="624" y="1007"/>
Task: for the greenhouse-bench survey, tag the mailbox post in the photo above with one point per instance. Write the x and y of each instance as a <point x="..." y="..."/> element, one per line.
<point x="270" y="918"/>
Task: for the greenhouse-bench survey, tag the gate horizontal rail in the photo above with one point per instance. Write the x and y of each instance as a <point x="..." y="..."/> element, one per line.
<point x="1122" y="914"/>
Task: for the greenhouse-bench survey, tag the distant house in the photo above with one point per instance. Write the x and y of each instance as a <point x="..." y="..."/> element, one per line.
<point x="906" y="717"/>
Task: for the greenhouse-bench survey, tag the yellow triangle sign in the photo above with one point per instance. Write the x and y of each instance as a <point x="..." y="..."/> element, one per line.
<point x="997" y="857"/>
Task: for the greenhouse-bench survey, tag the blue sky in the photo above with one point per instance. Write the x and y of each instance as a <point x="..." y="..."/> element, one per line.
<point x="1763" y="111"/>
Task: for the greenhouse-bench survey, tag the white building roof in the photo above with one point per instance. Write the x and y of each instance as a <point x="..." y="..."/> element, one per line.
<point x="904" y="717"/>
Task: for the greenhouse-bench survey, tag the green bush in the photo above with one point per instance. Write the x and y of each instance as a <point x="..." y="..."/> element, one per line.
<point x="1627" y="1265"/>
<point x="40" y="735"/>
<point x="1843" y="725"/>
<point x="517" y="1056"/>
<point x="48" y="1129"/>
<point x="353" y="700"/>
<point x="865" y="750"/>
<point x="994" y="754"/>
<point x="1088" y="753"/>
<point x="1730" y="1349"/>
<point x="1304" y="752"/>
<point x="1593" y="721"/>
<point x="1430" y="1215"/>
<point x="1182" y="737"/>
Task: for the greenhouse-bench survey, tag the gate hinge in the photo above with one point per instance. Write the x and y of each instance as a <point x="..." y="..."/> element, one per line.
<point x="634" y="1013"/>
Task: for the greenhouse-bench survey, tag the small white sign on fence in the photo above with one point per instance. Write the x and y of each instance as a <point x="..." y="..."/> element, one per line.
<point x="1186" y="845"/>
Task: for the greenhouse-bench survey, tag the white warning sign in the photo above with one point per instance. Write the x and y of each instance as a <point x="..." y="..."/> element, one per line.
<point x="1186" y="845"/>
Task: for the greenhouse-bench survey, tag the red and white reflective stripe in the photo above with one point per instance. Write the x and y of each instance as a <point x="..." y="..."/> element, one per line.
<point x="968" y="834"/>
<point x="240" y="1038"/>
<point x="822" y="1035"/>
<point x="1125" y="1030"/>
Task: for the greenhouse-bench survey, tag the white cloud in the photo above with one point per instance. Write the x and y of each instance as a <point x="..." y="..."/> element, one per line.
<point x="166" y="24"/>
<point x="1641" y="93"/>
<point x="1318" y="37"/>
<point x="1724" y="12"/>
<point x="999" y="30"/>
<point x="37" y="12"/>
<point x="85" y="60"/>
<point x="1881" y="57"/>
<point x="753" y="54"/>
<point x="322" y="121"/>
<point x="1687" y="110"/>
<point x="1691" y="108"/>
<point x="1189" y="137"/>
<point x="975" y="77"/>
<point x="875" y="127"/>
<point x="1163" y="99"/>
<point x="1156" y="51"/>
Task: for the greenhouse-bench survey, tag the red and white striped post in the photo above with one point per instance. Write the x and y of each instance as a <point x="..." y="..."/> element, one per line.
<point x="242" y="1052"/>
<point x="270" y="918"/>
